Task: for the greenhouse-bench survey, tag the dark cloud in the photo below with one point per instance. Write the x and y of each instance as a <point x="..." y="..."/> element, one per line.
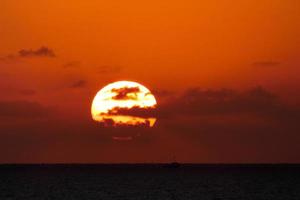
<point x="162" y="93"/>
<point x="266" y="63"/>
<point x="41" y="52"/>
<point x="23" y="109"/>
<point x="257" y="102"/>
<point x="72" y="64"/>
<point x="135" y="111"/>
<point x="79" y="84"/>
<point x="125" y="93"/>
<point x="233" y="126"/>
<point x="217" y="125"/>
<point x="223" y="101"/>
<point x="109" y="122"/>
<point x="28" y="53"/>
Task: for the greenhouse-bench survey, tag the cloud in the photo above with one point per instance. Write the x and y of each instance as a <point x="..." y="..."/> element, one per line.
<point x="134" y="111"/>
<point x="233" y="126"/>
<point x="266" y="63"/>
<point x="125" y="93"/>
<point x="79" y="84"/>
<point x="255" y="104"/>
<point x="72" y="64"/>
<point x="216" y="125"/>
<point x="198" y="103"/>
<point x="222" y="101"/>
<point x="29" y="53"/>
<point x="23" y="109"/>
<point x="41" y="52"/>
<point x="160" y="94"/>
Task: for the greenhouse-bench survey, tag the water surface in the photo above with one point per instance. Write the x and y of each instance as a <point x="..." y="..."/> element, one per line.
<point x="207" y="182"/>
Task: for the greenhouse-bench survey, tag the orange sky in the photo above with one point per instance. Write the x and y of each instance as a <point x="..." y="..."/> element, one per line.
<point x="167" y="46"/>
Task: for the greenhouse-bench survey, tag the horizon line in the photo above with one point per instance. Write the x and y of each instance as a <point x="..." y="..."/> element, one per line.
<point x="154" y="163"/>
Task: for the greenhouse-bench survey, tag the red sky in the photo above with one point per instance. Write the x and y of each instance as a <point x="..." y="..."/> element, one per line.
<point x="225" y="74"/>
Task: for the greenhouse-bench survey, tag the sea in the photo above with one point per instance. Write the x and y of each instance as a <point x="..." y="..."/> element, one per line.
<point x="150" y="181"/>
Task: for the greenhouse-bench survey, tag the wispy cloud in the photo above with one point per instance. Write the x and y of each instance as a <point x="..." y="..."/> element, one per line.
<point x="72" y="64"/>
<point x="198" y="102"/>
<point x="79" y="84"/>
<point x="41" y="52"/>
<point x="126" y="93"/>
<point x="30" y="53"/>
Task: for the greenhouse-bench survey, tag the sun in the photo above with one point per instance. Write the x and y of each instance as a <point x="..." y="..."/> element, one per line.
<point x="116" y="103"/>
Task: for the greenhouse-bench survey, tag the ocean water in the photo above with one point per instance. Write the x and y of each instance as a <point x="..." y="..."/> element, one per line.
<point x="207" y="182"/>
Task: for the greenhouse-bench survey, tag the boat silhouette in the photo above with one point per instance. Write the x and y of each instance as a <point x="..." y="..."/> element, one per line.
<point x="173" y="165"/>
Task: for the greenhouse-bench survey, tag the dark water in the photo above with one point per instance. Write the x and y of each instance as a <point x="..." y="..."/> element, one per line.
<point x="211" y="182"/>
